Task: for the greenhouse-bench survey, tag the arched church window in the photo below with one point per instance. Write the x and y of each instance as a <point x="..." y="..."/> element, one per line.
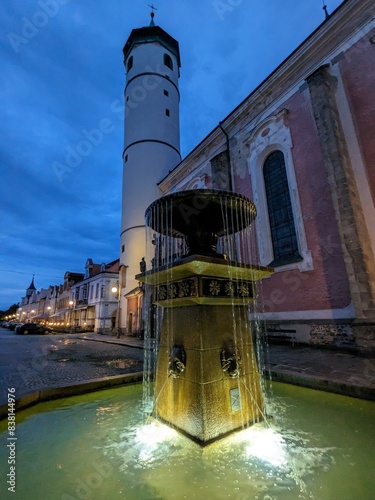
<point x="280" y="212"/>
<point x="168" y="61"/>
<point x="130" y="63"/>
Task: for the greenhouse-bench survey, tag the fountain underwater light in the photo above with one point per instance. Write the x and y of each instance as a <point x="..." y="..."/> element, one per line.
<point x="207" y="378"/>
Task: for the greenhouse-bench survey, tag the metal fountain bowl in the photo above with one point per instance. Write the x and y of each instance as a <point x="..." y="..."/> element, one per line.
<point x="201" y="216"/>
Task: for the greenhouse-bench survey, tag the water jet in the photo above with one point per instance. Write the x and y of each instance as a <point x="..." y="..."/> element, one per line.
<point x="207" y="377"/>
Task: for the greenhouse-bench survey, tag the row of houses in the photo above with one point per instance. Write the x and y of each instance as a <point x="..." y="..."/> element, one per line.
<point x="83" y="302"/>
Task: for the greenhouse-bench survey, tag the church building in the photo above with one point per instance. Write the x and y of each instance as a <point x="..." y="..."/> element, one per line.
<point x="301" y="146"/>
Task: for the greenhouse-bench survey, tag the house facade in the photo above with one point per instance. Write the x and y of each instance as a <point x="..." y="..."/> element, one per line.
<point x="94" y="300"/>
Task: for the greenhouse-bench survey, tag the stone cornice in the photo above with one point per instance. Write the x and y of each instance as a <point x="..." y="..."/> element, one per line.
<point x="348" y="20"/>
<point x="344" y="23"/>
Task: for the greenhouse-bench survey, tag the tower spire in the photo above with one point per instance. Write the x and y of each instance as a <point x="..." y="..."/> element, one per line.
<point x="32" y="286"/>
<point x="152" y="14"/>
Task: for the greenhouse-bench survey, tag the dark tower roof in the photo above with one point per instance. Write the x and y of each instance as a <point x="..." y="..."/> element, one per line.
<point x="32" y="286"/>
<point x="152" y="34"/>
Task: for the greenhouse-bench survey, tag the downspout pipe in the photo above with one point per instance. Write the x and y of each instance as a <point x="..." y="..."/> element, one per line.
<point x="228" y="157"/>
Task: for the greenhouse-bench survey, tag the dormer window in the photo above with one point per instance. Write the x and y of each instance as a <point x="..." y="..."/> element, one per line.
<point x="130" y="63"/>
<point x="168" y="61"/>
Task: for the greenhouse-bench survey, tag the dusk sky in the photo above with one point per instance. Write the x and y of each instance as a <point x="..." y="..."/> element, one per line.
<point x="62" y="75"/>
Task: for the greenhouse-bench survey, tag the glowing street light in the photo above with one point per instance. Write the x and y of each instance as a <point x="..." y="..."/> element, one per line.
<point x="116" y="290"/>
<point x="70" y="315"/>
<point x="49" y="312"/>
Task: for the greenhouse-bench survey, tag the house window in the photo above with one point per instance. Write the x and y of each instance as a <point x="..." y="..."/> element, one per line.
<point x="280" y="212"/>
<point x="130" y="64"/>
<point x="97" y="291"/>
<point x="168" y="61"/>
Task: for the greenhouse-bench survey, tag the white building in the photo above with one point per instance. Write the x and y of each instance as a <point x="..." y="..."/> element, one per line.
<point x="92" y="303"/>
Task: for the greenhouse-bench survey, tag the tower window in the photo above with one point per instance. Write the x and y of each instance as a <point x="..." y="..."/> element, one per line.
<point x="130" y="64"/>
<point x="126" y="158"/>
<point x="167" y="112"/>
<point x="168" y="61"/>
<point x="122" y="248"/>
<point x="280" y="213"/>
<point x="166" y="92"/>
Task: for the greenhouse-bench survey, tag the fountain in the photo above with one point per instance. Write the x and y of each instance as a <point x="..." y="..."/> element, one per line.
<point x="207" y="384"/>
<point x="207" y="377"/>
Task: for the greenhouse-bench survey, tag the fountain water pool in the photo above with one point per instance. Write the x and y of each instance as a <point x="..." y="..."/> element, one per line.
<point x="319" y="446"/>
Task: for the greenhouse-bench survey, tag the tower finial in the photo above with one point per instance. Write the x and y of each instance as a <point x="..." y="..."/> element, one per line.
<point x="325" y="9"/>
<point x="152" y="14"/>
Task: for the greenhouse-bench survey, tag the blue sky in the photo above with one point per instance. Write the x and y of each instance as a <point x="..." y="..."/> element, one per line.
<point x="62" y="77"/>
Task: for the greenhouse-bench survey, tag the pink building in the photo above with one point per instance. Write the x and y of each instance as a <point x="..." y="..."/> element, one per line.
<point x="302" y="147"/>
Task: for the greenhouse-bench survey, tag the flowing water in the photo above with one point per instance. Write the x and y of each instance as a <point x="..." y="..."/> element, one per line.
<point x="101" y="446"/>
<point x="167" y="220"/>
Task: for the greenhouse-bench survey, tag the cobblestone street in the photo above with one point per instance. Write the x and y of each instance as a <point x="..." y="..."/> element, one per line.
<point x="33" y="363"/>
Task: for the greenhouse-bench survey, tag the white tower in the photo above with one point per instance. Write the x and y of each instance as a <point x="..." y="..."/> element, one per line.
<point x="152" y="137"/>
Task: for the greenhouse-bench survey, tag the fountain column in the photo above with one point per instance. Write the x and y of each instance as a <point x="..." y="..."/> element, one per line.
<point x="207" y="377"/>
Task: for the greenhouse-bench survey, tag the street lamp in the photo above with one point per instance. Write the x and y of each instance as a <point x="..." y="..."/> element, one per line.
<point x="70" y="315"/>
<point x="49" y="312"/>
<point x="116" y="289"/>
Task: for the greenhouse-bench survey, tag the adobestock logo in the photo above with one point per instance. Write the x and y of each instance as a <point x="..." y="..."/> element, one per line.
<point x="74" y="156"/>
<point x="30" y="27"/>
<point x="85" y="487"/>
<point x="224" y="6"/>
<point x="93" y="138"/>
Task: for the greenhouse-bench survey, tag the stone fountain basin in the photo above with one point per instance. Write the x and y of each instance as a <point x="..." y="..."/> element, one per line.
<point x="99" y="445"/>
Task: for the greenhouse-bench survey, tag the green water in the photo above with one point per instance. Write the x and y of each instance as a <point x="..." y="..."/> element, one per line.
<point x="97" y="446"/>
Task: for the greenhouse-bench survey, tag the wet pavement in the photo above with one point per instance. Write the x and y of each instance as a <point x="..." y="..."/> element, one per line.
<point x="62" y="360"/>
<point x="335" y="371"/>
<point x="330" y="370"/>
<point x="33" y="363"/>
